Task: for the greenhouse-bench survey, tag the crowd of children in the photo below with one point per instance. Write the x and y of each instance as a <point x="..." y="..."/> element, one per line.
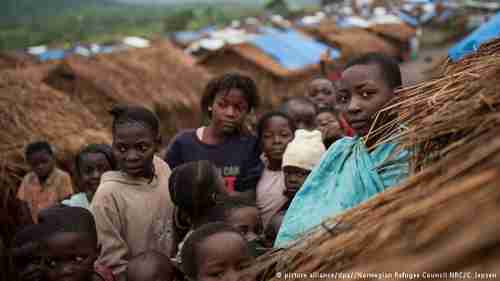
<point x="220" y="197"/>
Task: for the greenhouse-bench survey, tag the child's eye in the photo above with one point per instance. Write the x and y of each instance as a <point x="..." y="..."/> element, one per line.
<point x="78" y="259"/>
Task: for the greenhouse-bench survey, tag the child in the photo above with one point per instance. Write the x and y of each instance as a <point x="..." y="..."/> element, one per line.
<point x="90" y="163"/>
<point x="329" y="126"/>
<point x="150" y="266"/>
<point x="27" y="254"/>
<point x="299" y="159"/>
<point x="302" y="111"/>
<point x="195" y="188"/>
<point x="227" y="101"/>
<point x="352" y="170"/>
<point x="132" y="207"/>
<point x="321" y="92"/>
<point x="275" y="131"/>
<point x="46" y="185"/>
<point x="70" y="246"/>
<point x="216" y="252"/>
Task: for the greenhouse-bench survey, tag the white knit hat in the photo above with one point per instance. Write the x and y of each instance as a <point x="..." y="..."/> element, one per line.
<point x="305" y="150"/>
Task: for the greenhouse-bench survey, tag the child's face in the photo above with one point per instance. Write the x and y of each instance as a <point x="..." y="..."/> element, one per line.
<point x="275" y="137"/>
<point x="362" y="93"/>
<point x="223" y="256"/>
<point x="329" y="126"/>
<point x="303" y="115"/>
<point x="247" y="221"/>
<point x="134" y="146"/>
<point x="92" y="166"/>
<point x="70" y="256"/>
<point x="229" y="110"/>
<point x="322" y="93"/>
<point x="42" y="163"/>
<point x="294" y="179"/>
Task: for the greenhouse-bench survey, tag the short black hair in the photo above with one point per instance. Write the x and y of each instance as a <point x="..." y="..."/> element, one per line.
<point x="124" y="114"/>
<point x="266" y="117"/>
<point x="193" y="187"/>
<point x="37" y="147"/>
<point x="284" y="107"/>
<point x="388" y="66"/>
<point x="225" y="83"/>
<point x="95" y="148"/>
<point x="68" y="219"/>
<point x="189" y="252"/>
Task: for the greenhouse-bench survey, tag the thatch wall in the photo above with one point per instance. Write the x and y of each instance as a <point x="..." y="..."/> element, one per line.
<point x="31" y="111"/>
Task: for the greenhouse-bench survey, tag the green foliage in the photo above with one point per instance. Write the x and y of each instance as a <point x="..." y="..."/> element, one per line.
<point x="63" y="22"/>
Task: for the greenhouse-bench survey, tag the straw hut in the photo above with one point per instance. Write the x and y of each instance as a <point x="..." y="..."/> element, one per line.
<point x="32" y="111"/>
<point x="161" y="78"/>
<point x="441" y="223"/>
<point x="354" y="42"/>
<point x="275" y="81"/>
<point x="12" y="59"/>
<point x="398" y="35"/>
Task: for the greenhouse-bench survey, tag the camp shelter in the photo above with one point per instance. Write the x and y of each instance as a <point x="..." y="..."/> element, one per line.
<point x="15" y="59"/>
<point x="32" y="111"/>
<point x="280" y="62"/>
<point x="440" y="223"/>
<point x="161" y="78"/>
<point x="398" y="34"/>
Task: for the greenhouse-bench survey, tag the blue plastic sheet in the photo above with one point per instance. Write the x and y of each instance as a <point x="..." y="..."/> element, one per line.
<point x="471" y="43"/>
<point x="52" y="55"/>
<point x="292" y="50"/>
<point x="346" y="176"/>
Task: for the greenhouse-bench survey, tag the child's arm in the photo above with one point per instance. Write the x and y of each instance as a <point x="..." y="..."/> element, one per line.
<point x="114" y="249"/>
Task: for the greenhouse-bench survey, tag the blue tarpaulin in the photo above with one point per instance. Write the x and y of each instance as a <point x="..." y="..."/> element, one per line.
<point x="471" y="43"/>
<point x="292" y="50"/>
<point x="52" y="55"/>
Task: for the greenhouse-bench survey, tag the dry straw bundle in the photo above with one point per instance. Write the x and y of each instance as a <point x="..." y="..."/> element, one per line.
<point x="160" y="78"/>
<point x="443" y="219"/>
<point x="31" y="111"/>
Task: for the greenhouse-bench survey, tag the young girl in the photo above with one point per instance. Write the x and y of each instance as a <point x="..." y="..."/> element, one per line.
<point x="46" y="185"/>
<point x="274" y="131"/>
<point x="132" y="207"/>
<point x="195" y="188"/>
<point x="90" y="163"/>
<point x="328" y="124"/>
<point x="227" y="100"/>
<point x="216" y="252"/>
<point x="353" y="170"/>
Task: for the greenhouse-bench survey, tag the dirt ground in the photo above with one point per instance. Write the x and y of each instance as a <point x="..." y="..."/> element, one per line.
<point x="422" y="67"/>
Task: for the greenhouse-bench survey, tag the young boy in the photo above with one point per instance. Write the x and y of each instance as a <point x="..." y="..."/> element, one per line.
<point x="321" y="92"/>
<point x="302" y="111"/>
<point x="352" y="170"/>
<point x="132" y="207"/>
<point x="46" y="185"/>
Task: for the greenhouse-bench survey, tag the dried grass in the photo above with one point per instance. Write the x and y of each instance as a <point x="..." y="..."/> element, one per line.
<point x="30" y="111"/>
<point x="444" y="217"/>
<point x="161" y="78"/>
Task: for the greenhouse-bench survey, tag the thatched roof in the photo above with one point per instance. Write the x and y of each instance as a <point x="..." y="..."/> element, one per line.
<point x="444" y="217"/>
<point x="260" y="59"/>
<point x="399" y="32"/>
<point x="355" y="42"/>
<point x="161" y="78"/>
<point x="32" y="111"/>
